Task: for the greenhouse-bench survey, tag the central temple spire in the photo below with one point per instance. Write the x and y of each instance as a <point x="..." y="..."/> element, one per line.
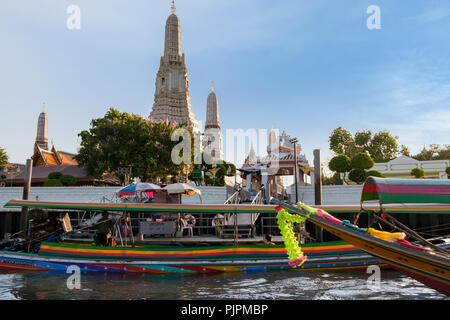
<point x="172" y="41"/>
<point x="172" y="100"/>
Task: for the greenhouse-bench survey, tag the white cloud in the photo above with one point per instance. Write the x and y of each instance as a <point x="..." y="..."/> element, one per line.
<point x="413" y="102"/>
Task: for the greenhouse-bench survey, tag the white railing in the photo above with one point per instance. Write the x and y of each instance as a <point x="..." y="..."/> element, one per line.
<point x="243" y="219"/>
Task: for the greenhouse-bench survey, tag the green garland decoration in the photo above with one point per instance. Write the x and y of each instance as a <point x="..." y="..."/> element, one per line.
<point x="285" y="221"/>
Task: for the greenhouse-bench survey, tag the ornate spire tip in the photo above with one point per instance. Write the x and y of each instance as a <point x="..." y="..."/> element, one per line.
<point x="173" y="6"/>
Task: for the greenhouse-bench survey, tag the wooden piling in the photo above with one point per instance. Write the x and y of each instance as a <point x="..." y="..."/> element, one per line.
<point x="318" y="189"/>
<point x="26" y="194"/>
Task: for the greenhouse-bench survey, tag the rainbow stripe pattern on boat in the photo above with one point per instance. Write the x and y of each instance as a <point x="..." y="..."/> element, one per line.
<point x="175" y="259"/>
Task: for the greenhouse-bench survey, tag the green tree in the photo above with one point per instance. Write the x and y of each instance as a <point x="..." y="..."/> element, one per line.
<point x="335" y="179"/>
<point x="374" y="173"/>
<point x="357" y="175"/>
<point x="340" y="164"/>
<point x="363" y="140"/>
<point x="124" y="140"/>
<point x="404" y="150"/>
<point x="356" y="167"/>
<point x="447" y="170"/>
<point x="434" y="152"/>
<point x="383" y="147"/>
<point x="418" y="173"/>
<point x="3" y="158"/>
<point x="342" y="142"/>
<point x="53" y="183"/>
<point x="362" y="161"/>
<point x="54" y="175"/>
<point x="68" y="180"/>
<point x="224" y="169"/>
<point x="444" y="153"/>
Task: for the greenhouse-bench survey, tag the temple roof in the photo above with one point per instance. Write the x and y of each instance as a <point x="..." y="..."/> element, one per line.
<point x="285" y="157"/>
<point x="46" y="158"/>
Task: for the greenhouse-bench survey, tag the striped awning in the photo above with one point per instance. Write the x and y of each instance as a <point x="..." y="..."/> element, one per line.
<point x="406" y="190"/>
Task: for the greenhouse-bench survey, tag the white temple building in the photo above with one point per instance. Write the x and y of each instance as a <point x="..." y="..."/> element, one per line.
<point x="42" y="129"/>
<point x="212" y="141"/>
<point x="172" y="100"/>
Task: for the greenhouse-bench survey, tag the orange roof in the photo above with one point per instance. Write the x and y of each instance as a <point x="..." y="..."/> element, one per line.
<point x="54" y="157"/>
<point x="49" y="158"/>
<point x="67" y="158"/>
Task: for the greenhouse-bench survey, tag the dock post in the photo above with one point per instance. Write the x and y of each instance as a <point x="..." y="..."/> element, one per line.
<point x="26" y="195"/>
<point x="318" y="189"/>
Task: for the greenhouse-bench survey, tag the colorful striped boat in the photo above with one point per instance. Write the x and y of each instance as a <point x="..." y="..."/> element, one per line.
<point x="164" y="259"/>
<point x="432" y="269"/>
<point x="149" y="258"/>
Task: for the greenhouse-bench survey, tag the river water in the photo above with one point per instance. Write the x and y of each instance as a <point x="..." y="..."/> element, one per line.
<point x="273" y="285"/>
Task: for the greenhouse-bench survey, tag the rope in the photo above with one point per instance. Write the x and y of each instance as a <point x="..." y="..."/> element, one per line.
<point x="410" y="232"/>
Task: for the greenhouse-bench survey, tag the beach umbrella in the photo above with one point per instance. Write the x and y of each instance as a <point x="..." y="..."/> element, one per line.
<point x="134" y="189"/>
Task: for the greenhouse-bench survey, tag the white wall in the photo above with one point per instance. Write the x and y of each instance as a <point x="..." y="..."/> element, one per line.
<point x="406" y="167"/>
<point x="331" y="195"/>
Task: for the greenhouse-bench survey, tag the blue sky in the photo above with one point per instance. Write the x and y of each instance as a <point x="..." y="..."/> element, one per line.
<point x="305" y="67"/>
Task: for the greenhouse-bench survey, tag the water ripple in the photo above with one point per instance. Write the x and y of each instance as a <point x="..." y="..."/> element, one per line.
<point x="283" y="285"/>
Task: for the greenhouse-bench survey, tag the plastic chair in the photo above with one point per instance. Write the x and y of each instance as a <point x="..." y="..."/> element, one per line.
<point x="188" y="228"/>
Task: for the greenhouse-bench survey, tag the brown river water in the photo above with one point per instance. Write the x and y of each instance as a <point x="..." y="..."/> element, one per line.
<point x="273" y="285"/>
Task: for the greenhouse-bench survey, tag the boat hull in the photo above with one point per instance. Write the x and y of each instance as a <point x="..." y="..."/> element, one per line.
<point x="164" y="260"/>
<point x="432" y="270"/>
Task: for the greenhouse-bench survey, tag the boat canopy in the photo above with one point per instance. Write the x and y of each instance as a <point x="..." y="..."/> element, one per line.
<point x="406" y="190"/>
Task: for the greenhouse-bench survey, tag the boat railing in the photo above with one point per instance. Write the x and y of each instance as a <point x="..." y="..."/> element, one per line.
<point x="245" y="219"/>
<point x="233" y="199"/>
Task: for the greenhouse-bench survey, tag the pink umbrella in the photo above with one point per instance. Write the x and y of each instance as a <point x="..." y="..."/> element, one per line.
<point x="134" y="189"/>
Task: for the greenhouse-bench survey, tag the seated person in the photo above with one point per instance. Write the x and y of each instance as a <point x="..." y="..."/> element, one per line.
<point x="104" y="231"/>
<point x="268" y="239"/>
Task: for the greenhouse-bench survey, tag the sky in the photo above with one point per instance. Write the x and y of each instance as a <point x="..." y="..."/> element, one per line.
<point x="304" y="67"/>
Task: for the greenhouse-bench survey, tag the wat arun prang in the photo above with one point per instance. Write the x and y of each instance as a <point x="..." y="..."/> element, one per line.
<point x="172" y="101"/>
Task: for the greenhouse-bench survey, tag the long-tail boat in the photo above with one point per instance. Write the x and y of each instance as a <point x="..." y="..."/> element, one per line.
<point x="161" y="259"/>
<point x="427" y="263"/>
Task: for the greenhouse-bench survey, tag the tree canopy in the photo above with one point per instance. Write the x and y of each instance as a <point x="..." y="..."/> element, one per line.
<point x="123" y="140"/>
<point x="418" y="173"/>
<point x="381" y="146"/>
<point x="362" y="161"/>
<point x="356" y="167"/>
<point x="215" y="176"/>
<point x="434" y="152"/>
<point x="340" y="163"/>
<point x="3" y="158"/>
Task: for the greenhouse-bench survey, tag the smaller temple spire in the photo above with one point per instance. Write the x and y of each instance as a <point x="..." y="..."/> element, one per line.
<point x="173" y="6"/>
